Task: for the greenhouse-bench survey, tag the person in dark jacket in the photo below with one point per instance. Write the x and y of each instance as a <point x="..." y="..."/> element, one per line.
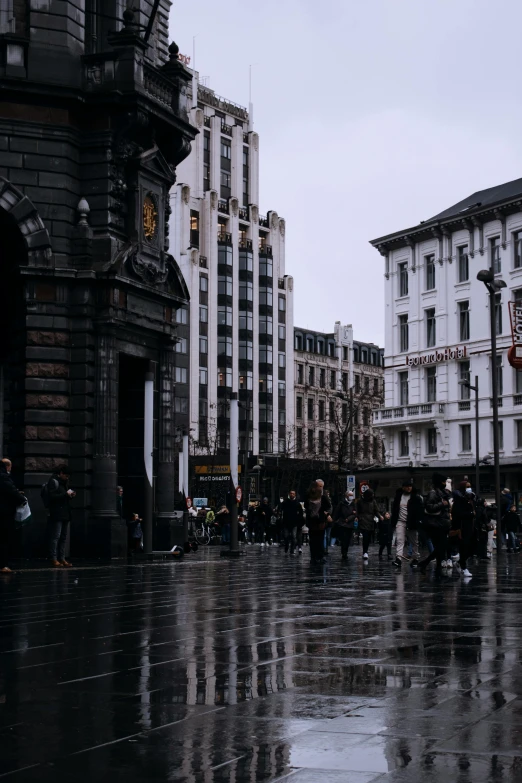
<point x="135" y="533"/>
<point x="10" y="499"/>
<point x="406" y="516"/>
<point x="385" y="535"/>
<point x="437" y="522"/>
<point x="463" y="523"/>
<point x="511" y="524"/>
<point x="344" y="518"/>
<point x="223" y="520"/>
<point x="367" y="512"/>
<point x="60" y="496"/>
<point x="318" y="509"/>
<point x="292" y="520"/>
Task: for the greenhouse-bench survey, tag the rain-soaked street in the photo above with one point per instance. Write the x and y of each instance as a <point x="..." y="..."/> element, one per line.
<point x="261" y="670"/>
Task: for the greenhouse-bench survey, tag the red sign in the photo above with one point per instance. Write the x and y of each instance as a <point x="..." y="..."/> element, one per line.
<point x="363" y="486"/>
<point x="239" y="494"/>
<point x="515" y="352"/>
<point x="189" y="502"/>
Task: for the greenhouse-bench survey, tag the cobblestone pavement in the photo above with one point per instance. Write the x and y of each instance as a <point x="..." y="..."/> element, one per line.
<point x="262" y="669"/>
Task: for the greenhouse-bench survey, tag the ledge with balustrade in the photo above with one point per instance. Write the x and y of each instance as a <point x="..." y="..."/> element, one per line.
<point x="448" y="410"/>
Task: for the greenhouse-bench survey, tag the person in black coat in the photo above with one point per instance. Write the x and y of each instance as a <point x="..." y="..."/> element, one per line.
<point x="60" y="496"/>
<point x="437" y="521"/>
<point x="344" y="518"/>
<point x="292" y="519"/>
<point x="511" y="525"/>
<point x="10" y="499"/>
<point x="385" y="535"/>
<point x="318" y="509"/>
<point x="406" y="516"/>
<point x="463" y="523"/>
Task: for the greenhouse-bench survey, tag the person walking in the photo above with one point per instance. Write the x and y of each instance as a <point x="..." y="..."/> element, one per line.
<point x="135" y="533"/>
<point x="318" y="511"/>
<point x="263" y="515"/>
<point x="483" y="528"/>
<point x="343" y="519"/>
<point x="437" y="522"/>
<point x="10" y="499"/>
<point x="367" y="511"/>
<point x="59" y="496"/>
<point x="406" y="517"/>
<point x="511" y="524"/>
<point x="385" y="535"/>
<point x="251" y="523"/>
<point x="223" y="520"/>
<point x="463" y="524"/>
<point x="292" y="519"/>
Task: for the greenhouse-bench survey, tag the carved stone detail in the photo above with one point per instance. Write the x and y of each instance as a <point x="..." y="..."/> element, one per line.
<point x="194" y="257"/>
<point x="213" y="199"/>
<point x="274" y="221"/>
<point x="185" y="194"/>
<point x="282" y="227"/>
<point x="199" y="118"/>
<point x="234" y="206"/>
<point x="254" y="213"/>
<point x="255" y="141"/>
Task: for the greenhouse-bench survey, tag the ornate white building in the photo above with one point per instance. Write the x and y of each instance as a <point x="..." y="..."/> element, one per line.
<point x="438" y="334"/>
<point x="233" y="261"/>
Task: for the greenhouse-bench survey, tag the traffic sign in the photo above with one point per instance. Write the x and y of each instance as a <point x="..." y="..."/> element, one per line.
<point x="239" y="494"/>
<point x="189" y="502"/>
<point x="350" y="483"/>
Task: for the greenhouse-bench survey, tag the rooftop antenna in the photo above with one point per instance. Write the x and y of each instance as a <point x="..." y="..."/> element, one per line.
<point x="250" y="105"/>
<point x="194" y="75"/>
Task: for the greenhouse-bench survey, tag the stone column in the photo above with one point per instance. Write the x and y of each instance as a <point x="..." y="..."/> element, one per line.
<point x="107" y="534"/>
<point x="166" y="529"/>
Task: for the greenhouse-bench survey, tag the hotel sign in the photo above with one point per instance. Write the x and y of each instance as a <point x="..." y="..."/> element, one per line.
<point x="515" y="352"/>
<point x="435" y="357"/>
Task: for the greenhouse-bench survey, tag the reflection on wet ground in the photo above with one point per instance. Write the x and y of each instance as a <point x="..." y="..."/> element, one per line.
<point x="264" y="669"/>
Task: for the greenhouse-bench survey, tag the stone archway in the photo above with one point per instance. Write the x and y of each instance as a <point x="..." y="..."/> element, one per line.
<point x="22" y="211"/>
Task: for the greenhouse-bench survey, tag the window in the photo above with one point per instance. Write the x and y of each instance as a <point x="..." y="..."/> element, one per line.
<point x="344" y="381"/>
<point x="465" y="437"/>
<point x="333" y="379"/>
<point x="518" y="381"/>
<point x="203" y="376"/>
<point x="225" y="285"/>
<point x="403" y="333"/>
<point x="265" y="444"/>
<point x="246" y="350"/>
<point x="225" y="254"/>
<point x="431" y="334"/>
<point x="225" y="377"/>
<point x="224" y="345"/>
<point x="366" y="447"/>
<point x="344" y="413"/>
<point x="246" y="380"/>
<point x="298" y="340"/>
<point x="181" y="404"/>
<point x="429" y="262"/>
<point x="322" y="410"/>
<point x="202" y="408"/>
<point x="180" y="315"/>
<point x="518" y="434"/>
<point x="321" y="443"/>
<point x="7" y="20"/>
<point x="309" y="344"/>
<point x="206" y="176"/>
<point x="265" y="266"/>
<point x="246" y="261"/>
<point x="181" y="345"/>
<point x="375" y="449"/>
<point x="310" y="408"/>
<point x="203" y="314"/>
<point x="403" y="279"/>
<point x="265" y="324"/>
<point x="281" y="360"/>
<point x="246" y="290"/>
<point x="225" y="182"/>
<point x="376" y="386"/>
<point x="203" y="283"/>
<point x="431" y="441"/>
<point x="282" y="419"/>
<point x="403" y="388"/>
<point x="265" y="384"/>
<point x="226" y="149"/>
<point x="464" y="320"/>
<point x="299" y="439"/>
<point x="366" y="417"/>
<point x="224" y="317"/>
<point x="500" y="435"/>
<point x="404" y="444"/>
<point x="203" y="344"/>
<point x="311" y="376"/>
<point x="498" y="313"/>
<point x="310" y="440"/>
<point x="266" y="414"/>
<point x="517" y="249"/>
<point x="500" y="376"/>
<point x="332" y="442"/>
<point x="345" y="353"/>
<point x="300" y="374"/>
<point x="194" y="228"/>
<point x="265" y="354"/>
<point x="464" y="375"/>
<point x="282" y="303"/>
<point x="331" y="412"/>
<point x="463" y="264"/>
<point x="281" y="389"/>
<point x="322" y="378"/>
<point x="281" y="332"/>
<point x="431" y="384"/>
<point x="494" y="255"/>
<point x="357" y="381"/>
<point x="246" y="320"/>
<point x="265" y="296"/>
<point x="366" y="384"/>
<point x="331" y="349"/>
<point x="181" y="374"/>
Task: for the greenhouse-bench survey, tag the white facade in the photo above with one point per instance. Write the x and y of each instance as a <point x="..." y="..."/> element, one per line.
<point x="224" y="245"/>
<point x="431" y="285"/>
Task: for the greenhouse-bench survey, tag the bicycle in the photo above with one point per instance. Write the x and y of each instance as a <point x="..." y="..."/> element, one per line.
<point x="205" y="534"/>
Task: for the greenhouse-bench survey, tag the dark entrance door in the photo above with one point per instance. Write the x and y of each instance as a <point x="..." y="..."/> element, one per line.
<point x="131" y="401"/>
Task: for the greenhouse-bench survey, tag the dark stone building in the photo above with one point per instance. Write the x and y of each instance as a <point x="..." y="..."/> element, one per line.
<point x="93" y="122"/>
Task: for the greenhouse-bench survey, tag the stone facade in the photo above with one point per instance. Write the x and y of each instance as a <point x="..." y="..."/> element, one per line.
<point x="93" y="123"/>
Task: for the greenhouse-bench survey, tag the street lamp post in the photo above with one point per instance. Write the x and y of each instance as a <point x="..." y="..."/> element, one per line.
<point x="475" y="388"/>
<point x="233" y="550"/>
<point x="493" y="286"/>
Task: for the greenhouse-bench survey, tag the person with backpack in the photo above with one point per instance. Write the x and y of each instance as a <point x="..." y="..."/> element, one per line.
<point x="57" y="495"/>
<point x="437" y="522"/>
<point x="10" y="499"/>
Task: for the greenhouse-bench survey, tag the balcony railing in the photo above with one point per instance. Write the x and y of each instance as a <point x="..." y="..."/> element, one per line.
<point x="223" y="206"/>
<point x="517" y="399"/>
<point x="263" y="221"/>
<point x="243" y="214"/>
<point x="464" y="405"/>
<point x="224" y="237"/>
<point x="158" y="86"/>
<point x="409" y="411"/>
<point x="226" y="129"/>
<point x="245" y="244"/>
<point x="500" y="402"/>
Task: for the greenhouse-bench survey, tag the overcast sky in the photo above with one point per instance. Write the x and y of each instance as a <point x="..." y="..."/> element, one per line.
<point x="372" y="116"/>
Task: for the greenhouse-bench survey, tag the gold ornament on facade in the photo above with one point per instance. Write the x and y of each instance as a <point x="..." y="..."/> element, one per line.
<point x="150" y="217"/>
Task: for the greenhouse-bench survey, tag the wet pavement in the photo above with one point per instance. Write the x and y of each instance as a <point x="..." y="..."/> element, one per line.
<point x="262" y="669"/>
